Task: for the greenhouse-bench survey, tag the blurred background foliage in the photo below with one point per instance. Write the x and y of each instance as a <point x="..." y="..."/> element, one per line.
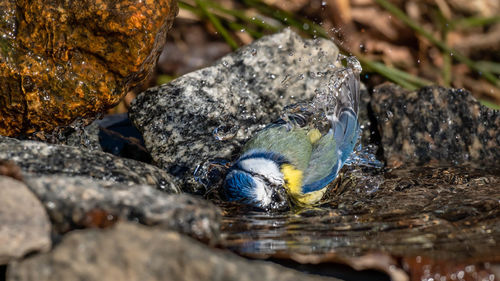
<point x="453" y="43"/>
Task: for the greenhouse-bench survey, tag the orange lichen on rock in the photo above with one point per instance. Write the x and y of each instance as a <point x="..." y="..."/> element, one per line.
<point x="63" y="60"/>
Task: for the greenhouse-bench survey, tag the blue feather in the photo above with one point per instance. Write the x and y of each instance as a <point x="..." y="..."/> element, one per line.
<point x="349" y="122"/>
<point x="317" y="185"/>
<point x="239" y="186"/>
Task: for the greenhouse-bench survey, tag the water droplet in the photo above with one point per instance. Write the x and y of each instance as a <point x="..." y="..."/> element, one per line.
<point x="305" y="26"/>
<point x="225" y="132"/>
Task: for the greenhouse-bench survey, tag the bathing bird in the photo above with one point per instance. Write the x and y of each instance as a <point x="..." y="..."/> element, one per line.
<point x="294" y="159"/>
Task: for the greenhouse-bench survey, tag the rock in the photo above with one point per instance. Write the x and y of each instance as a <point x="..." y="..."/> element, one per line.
<point x="24" y="225"/>
<point x="436" y="124"/>
<point x="63" y="61"/>
<point x="211" y="112"/>
<point x="79" y="202"/>
<point x="86" y="137"/>
<point x="132" y="252"/>
<point x="45" y="159"/>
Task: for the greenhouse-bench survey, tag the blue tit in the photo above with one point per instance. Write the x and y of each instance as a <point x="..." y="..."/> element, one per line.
<point x="290" y="161"/>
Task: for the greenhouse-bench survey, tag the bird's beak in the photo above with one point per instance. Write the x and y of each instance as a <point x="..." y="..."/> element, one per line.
<point x="280" y="200"/>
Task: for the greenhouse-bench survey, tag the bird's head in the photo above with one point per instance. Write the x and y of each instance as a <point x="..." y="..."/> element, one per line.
<point x="255" y="179"/>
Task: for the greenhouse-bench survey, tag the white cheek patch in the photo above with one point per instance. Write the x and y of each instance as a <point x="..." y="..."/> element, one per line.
<point x="261" y="193"/>
<point x="265" y="167"/>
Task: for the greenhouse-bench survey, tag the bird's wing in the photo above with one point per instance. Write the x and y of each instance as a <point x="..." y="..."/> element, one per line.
<point x="292" y="143"/>
<point x="332" y="150"/>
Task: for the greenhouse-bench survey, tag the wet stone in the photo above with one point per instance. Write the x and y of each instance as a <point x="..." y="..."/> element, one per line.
<point x="37" y="158"/>
<point x="210" y="113"/>
<point x="435" y="124"/>
<point x="86" y="137"/>
<point x="67" y="61"/>
<point x="132" y="252"/>
<point x="79" y="202"/>
<point x="24" y="225"/>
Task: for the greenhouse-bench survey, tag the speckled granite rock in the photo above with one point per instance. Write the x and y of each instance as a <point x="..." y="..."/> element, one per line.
<point x="209" y="113"/>
<point x="24" y="225"/>
<point x="436" y="124"/>
<point x="85" y="137"/>
<point x="81" y="202"/>
<point x="132" y="252"/>
<point x="45" y="159"/>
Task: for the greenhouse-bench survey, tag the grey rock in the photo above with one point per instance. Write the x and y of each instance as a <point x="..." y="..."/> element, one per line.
<point x="210" y="113"/>
<point x="131" y="252"/>
<point x="86" y="137"/>
<point x="78" y="202"/>
<point x="436" y="124"/>
<point x="24" y="225"/>
<point x="46" y="159"/>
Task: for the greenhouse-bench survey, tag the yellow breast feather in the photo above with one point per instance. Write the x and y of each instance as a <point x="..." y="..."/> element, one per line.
<point x="293" y="179"/>
<point x="293" y="184"/>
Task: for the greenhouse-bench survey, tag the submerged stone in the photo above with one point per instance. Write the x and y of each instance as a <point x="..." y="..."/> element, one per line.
<point x="67" y="60"/>
<point x="436" y="124"/>
<point x="131" y="252"/>
<point x="211" y="112"/>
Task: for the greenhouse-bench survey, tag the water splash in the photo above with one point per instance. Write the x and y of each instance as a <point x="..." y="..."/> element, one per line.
<point x="337" y="88"/>
<point x="364" y="156"/>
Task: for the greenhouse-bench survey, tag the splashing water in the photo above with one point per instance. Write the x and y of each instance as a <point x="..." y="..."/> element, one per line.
<point x="337" y="88"/>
